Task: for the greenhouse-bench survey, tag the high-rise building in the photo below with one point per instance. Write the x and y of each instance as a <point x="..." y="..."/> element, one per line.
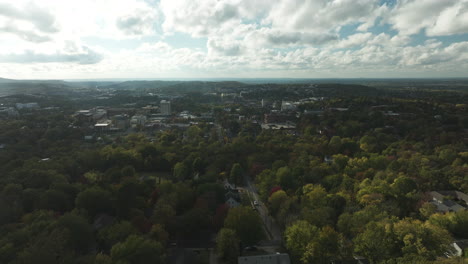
<point x="165" y="107"/>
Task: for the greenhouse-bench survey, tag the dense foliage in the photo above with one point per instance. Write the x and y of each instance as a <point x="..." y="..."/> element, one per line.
<point x="343" y="184"/>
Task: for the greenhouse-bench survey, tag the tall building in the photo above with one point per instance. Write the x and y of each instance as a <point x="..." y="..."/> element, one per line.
<point x="165" y="107"/>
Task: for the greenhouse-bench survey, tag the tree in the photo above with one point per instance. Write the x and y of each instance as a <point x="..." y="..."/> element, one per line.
<point x="116" y="233"/>
<point x="285" y="178"/>
<point x="163" y="214"/>
<point x="159" y="234"/>
<point x="54" y="200"/>
<point x="368" y="144"/>
<point x="276" y="199"/>
<point x="198" y="165"/>
<point x="79" y="235"/>
<point x="95" y="200"/>
<point x="298" y="236"/>
<point x="236" y="174"/>
<point x="246" y="223"/>
<point x="181" y="172"/>
<point x="314" y="196"/>
<point x="326" y="247"/>
<point x="227" y="245"/>
<point x="422" y="239"/>
<point x="47" y="248"/>
<point x="376" y="243"/>
<point x="138" y="250"/>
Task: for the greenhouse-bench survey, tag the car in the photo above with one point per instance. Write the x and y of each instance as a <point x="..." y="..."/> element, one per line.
<point x="255" y="203"/>
<point x="251" y="248"/>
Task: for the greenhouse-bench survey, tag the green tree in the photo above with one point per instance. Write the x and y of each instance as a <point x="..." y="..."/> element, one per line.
<point x="95" y="200"/>
<point x="159" y="234"/>
<point x="276" y="199"/>
<point x="246" y="223"/>
<point x="47" y="248"/>
<point x="297" y="237"/>
<point x="181" y="172"/>
<point x="227" y="245"/>
<point x="116" y="233"/>
<point x="79" y="235"/>
<point x="236" y="175"/>
<point x="328" y="246"/>
<point x="138" y="250"/>
<point x="368" y="144"/>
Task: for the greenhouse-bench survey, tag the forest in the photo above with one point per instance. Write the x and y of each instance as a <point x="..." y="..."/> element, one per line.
<point x="343" y="184"/>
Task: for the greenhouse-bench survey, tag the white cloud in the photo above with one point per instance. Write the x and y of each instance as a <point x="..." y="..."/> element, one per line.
<point x="280" y="38"/>
<point x="436" y="17"/>
<point x="196" y="17"/>
<point x="69" y="52"/>
<point x="320" y="15"/>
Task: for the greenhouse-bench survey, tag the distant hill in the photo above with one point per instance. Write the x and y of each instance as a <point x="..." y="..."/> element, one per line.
<point x="176" y="86"/>
<point x="51" y="87"/>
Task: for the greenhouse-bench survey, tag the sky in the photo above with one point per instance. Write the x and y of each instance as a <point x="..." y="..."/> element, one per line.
<point x="97" y="39"/>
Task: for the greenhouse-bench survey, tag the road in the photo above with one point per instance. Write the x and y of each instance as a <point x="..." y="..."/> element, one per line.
<point x="272" y="228"/>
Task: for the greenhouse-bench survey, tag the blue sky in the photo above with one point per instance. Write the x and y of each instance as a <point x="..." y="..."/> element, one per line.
<point x="49" y="39"/>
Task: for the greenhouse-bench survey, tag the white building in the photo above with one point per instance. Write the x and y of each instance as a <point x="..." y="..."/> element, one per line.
<point x="287" y="106"/>
<point x="165" y="107"/>
<point x="138" y="120"/>
<point x="27" y="106"/>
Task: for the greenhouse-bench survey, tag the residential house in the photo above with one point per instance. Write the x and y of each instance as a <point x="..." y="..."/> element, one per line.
<point x="449" y="201"/>
<point x="265" y="259"/>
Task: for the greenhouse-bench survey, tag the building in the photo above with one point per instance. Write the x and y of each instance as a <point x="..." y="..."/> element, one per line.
<point x="121" y="121"/>
<point x="138" y="120"/>
<point x="27" y="106"/>
<point x="265" y="259"/>
<point x="449" y="201"/>
<point x="287" y="106"/>
<point x="9" y="112"/>
<point x="165" y="107"/>
<point x="232" y="203"/>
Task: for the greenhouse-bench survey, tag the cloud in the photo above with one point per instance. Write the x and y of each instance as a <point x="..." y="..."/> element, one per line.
<point x="224" y="47"/>
<point x="320" y="15"/>
<point x="437" y="18"/>
<point x="354" y="40"/>
<point x="27" y="35"/>
<point x="197" y="17"/>
<point x="70" y="53"/>
<point x="135" y="24"/>
<point x="276" y="37"/>
<point x="40" y="18"/>
<point x="139" y="21"/>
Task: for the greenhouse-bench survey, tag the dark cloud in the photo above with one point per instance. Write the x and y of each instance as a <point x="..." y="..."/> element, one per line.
<point x="84" y="56"/>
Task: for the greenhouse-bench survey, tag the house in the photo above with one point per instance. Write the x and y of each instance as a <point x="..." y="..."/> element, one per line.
<point x="265" y="259"/>
<point x="449" y="201"/>
<point x="232" y="203"/>
<point x="328" y="159"/>
<point x="234" y="194"/>
<point x="228" y="186"/>
<point x="460" y="247"/>
<point x="102" y="220"/>
<point x="278" y="126"/>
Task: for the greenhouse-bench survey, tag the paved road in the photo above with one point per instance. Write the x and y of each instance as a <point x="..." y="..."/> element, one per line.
<point x="273" y="230"/>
